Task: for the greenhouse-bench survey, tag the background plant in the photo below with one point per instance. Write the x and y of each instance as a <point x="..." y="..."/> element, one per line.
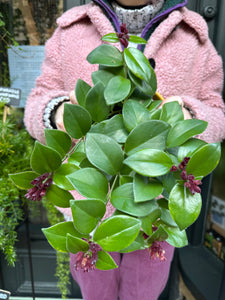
<point x="143" y="159"/>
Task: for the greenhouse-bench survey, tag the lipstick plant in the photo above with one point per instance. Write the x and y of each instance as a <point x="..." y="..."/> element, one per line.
<point x="142" y="158"/>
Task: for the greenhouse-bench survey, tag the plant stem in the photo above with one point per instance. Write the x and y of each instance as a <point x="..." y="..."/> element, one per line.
<point x="5" y="112"/>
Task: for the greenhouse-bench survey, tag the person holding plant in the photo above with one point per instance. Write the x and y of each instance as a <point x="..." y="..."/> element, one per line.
<point x="188" y="71"/>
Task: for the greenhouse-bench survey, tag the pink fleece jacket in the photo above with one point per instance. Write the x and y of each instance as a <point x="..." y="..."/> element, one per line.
<point x="187" y="65"/>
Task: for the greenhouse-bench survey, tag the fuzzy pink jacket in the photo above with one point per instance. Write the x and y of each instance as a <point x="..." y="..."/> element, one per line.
<point x="187" y="65"/>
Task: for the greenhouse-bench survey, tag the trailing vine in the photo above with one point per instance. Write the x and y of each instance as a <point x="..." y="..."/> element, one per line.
<point x="15" y="149"/>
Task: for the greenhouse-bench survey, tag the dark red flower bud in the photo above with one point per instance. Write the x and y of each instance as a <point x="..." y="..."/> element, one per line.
<point x="173" y="169"/>
<point x="184" y="175"/>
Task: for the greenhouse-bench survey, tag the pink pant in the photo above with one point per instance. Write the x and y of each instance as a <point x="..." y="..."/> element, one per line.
<point x="137" y="277"/>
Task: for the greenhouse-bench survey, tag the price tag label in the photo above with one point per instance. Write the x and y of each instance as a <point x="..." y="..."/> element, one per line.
<point x="4" y="295"/>
<point x="10" y="96"/>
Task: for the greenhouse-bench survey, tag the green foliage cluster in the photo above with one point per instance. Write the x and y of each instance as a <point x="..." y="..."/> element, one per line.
<point x="15" y="149"/>
<point x="126" y="147"/>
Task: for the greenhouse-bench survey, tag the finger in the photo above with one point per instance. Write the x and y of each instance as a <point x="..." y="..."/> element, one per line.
<point x="72" y="97"/>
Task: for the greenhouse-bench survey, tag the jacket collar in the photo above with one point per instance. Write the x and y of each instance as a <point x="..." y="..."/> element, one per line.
<point x="104" y="26"/>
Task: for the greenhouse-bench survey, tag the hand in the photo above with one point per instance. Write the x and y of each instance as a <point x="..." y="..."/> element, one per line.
<point x="60" y="110"/>
<point x="186" y="112"/>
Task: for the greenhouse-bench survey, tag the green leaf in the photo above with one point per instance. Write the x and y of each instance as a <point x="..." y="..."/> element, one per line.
<point x="75" y="244"/>
<point x="95" y="103"/>
<point x="134" y="113"/>
<point x="145" y="189"/>
<point x="148" y="221"/>
<point x="81" y="91"/>
<point x="59" y="177"/>
<point x="104" y="153"/>
<point x="44" y="159"/>
<point x="189" y="147"/>
<point x="56" y="235"/>
<point x="76" y="158"/>
<point x="176" y="237"/>
<point x="184" y="130"/>
<point x="58" y="196"/>
<point x="117" y="232"/>
<point x="137" y="40"/>
<point x="105" y="261"/>
<point x="102" y="76"/>
<point x="138" y="244"/>
<point x="110" y="37"/>
<point x="87" y="214"/>
<point x="204" y="160"/>
<point x="58" y="140"/>
<point x="147" y="87"/>
<point x="106" y="55"/>
<point x="117" y="89"/>
<point x="184" y="207"/>
<point x="122" y="198"/>
<point x="150" y="162"/>
<point x="150" y="134"/>
<point x="90" y="183"/>
<point x="77" y="120"/>
<point x="23" y="180"/>
<point x="137" y="63"/>
<point x="159" y="235"/>
<point x="115" y="129"/>
<point x="171" y="113"/>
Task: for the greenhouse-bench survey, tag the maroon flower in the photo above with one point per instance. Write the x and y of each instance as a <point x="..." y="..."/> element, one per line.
<point x="40" y="184"/>
<point x="86" y="260"/>
<point x="123" y="35"/>
<point x="156" y="251"/>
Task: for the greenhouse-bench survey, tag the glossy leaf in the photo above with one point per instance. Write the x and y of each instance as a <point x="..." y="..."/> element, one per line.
<point x="204" y="160"/>
<point x="117" y="232"/>
<point x="58" y="140"/>
<point x="76" y="158"/>
<point x="137" y="40"/>
<point x="75" y="244"/>
<point x="23" y="180"/>
<point x="56" y="235"/>
<point x="81" y="90"/>
<point x="189" y="147"/>
<point x="106" y="55"/>
<point x="104" y="153"/>
<point x="90" y="183"/>
<point x="184" y="130"/>
<point x="134" y="113"/>
<point x="148" y="221"/>
<point x="138" y="244"/>
<point x="122" y="198"/>
<point x="59" y="176"/>
<point x="145" y="189"/>
<point x="171" y="113"/>
<point x="110" y="37"/>
<point x="184" y="207"/>
<point x="102" y="76"/>
<point x="147" y="87"/>
<point x="176" y="237"/>
<point x="137" y="63"/>
<point x="87" y="213"/>
<point x="159" y="235"/>
<point x="44" y="159"/>
<point x="105" y="261"/>
<point x="58" y="196"/>
<point x="95" y="103"/>
<point x="77" y="120"/>
<point x="117" y="89"/>
<point x="150" y="134"/>
<point x="150" y="162"/>
<point x="115" y="129"/>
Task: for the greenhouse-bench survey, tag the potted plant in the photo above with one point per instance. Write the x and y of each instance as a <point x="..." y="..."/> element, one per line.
<point x="130" y="152"/>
